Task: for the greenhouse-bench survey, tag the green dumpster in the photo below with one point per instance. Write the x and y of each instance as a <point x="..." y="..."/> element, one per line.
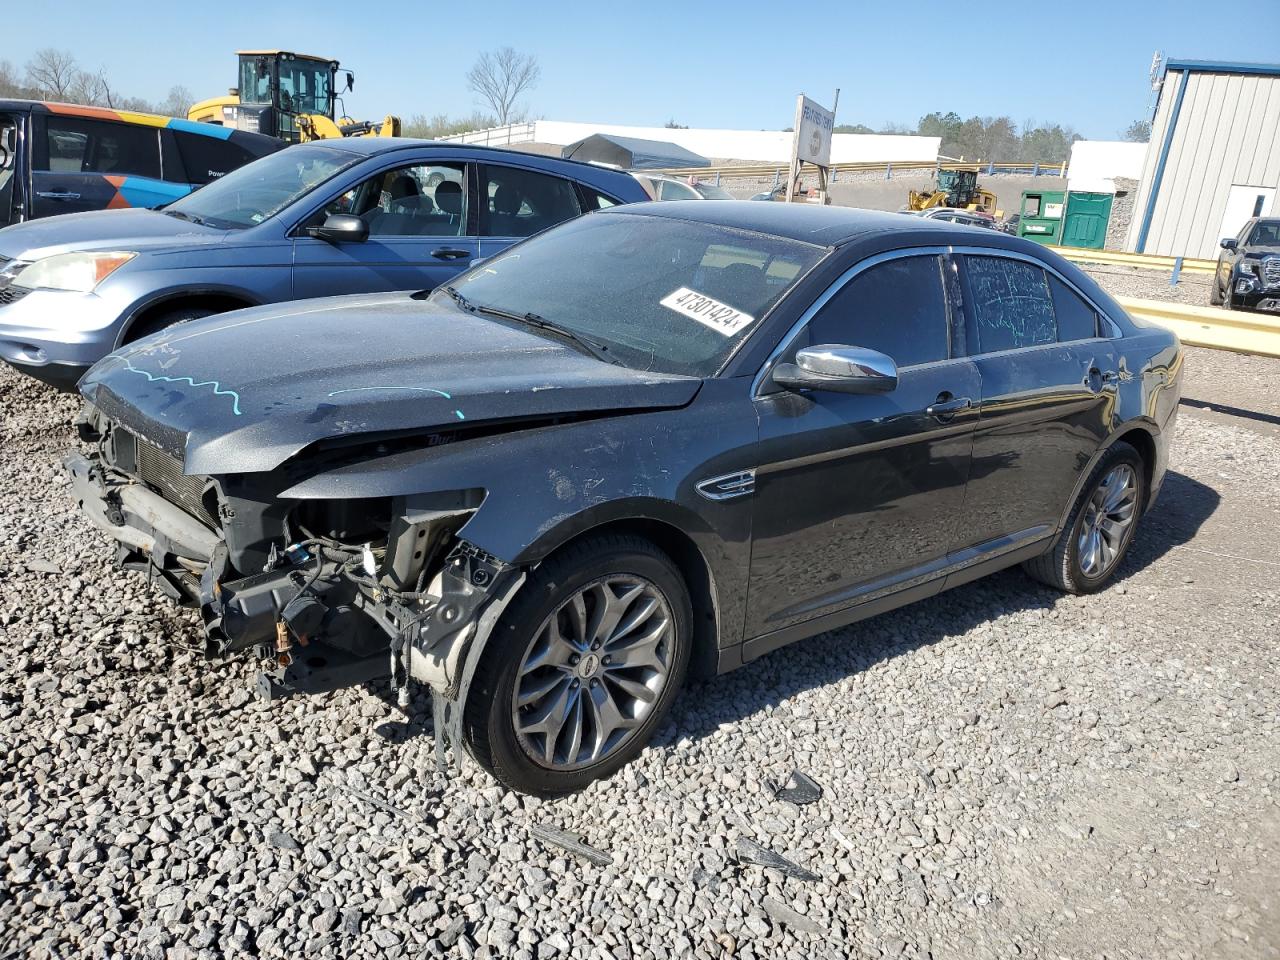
<point x="1041" y="218"/>
<point x="1085" y="224"/>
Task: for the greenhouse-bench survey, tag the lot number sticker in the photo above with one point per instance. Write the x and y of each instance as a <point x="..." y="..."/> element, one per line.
<point x="720" y="317"/>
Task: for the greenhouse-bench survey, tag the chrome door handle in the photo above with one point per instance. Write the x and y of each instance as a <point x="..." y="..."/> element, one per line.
<point x="57" y="196"/>
<point x="945" y="410"/>
<point x="450" y="253"/>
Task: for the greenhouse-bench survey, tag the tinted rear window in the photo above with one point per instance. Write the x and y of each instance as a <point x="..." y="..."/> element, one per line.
<point x="1011" y="303"/>
<point x="77" y="145"/>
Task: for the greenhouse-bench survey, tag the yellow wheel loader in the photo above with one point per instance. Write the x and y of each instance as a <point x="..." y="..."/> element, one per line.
<point x="292" y="96"/>
<point x="956" y="188"/>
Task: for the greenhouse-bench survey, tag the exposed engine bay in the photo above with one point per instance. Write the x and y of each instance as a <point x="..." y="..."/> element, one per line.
<point x="325" y="593"/>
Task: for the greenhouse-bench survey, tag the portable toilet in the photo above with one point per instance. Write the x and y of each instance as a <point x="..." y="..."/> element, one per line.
<point x="1085" y="223"/>
<point x="1041" y="215"/>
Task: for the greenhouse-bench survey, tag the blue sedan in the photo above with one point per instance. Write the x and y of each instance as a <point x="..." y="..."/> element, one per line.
<point x="364" y="215"/>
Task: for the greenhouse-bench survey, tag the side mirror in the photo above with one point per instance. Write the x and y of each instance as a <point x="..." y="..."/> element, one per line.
<point x="1228" y="243"/>
<point x="341" y="228"/>
<point x="840" y="369"/>
<point x="351" y="81"/>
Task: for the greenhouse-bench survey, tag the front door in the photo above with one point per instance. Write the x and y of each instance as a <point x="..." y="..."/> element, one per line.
<point x="857" y="495"/>
<point x="1049" y="385"/>
<point x="419" y="234"/>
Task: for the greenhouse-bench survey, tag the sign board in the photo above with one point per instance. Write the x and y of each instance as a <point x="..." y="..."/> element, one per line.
<point x="814" y="125"/>
<point x="1052" y="211"/>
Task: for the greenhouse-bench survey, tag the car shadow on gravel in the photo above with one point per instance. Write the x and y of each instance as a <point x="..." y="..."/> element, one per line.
<point x="1184" y="505"/>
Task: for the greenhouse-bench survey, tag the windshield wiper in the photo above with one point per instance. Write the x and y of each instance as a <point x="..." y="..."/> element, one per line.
<point x="594" y="347"/>
<point x="199" y="222"/>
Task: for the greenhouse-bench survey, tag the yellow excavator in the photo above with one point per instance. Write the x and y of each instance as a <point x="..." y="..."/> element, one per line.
<point x="956" y="188"/>
<point x="291" y="96"/>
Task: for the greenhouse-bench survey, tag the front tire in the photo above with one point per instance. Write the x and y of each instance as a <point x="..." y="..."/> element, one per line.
<point x="165" y="319"/>
<point x="581" y="668"/>
<point x="1100" y="528"/>
<point x="1215" y="292"/>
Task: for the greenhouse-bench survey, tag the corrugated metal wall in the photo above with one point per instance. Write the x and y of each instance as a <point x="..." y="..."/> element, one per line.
<point x="1228" y="132"/>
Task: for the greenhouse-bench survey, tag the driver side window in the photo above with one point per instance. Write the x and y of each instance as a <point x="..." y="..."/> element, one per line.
<point x="422" y="200"/>
<point x="898" y="307"/>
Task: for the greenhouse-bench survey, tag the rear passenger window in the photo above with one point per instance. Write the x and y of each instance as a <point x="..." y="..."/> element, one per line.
<point x="596" y="200"/>
<point x="1011" y="304"/>
<point x="520" y="203"/>
<point x="208" y="158"/>
<point x="897" y="307"/>
<point x="1076" y="319"/>
<point x="77" y="145"/>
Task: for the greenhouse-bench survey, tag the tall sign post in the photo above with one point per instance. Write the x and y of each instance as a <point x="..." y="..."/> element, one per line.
<point x="812" y="143"/>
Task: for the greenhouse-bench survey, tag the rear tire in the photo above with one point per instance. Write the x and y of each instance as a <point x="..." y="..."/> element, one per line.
<point x="1100" y="528"/>
<point x="165" y="319"/>
<point x="581" y="668"/>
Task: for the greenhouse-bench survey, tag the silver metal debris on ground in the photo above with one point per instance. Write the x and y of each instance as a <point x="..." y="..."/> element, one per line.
<point x="751" y="852"/>
<point x="799" y="789"/>
<point x="571" y="842"/>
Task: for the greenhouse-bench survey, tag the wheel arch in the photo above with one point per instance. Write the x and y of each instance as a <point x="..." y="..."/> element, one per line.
<point x="221" y="299"/>
<point x="1139" y="434"/>
<point x="697" y="572"/>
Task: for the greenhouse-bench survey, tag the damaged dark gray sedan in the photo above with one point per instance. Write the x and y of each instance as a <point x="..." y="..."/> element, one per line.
<point x="656" y="441"/>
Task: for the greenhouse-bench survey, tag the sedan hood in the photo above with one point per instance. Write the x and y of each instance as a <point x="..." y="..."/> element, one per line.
<point x="245" y="391"/>
<point x="101" y="230"/>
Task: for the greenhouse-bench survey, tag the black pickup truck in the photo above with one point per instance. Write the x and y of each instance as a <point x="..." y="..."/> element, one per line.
<point x="1248" y="273"/>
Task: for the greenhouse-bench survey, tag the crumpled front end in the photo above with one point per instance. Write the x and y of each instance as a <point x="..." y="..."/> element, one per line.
<point x="326" y="593"/>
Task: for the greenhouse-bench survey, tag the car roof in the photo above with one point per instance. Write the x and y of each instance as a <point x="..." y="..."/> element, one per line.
<point x="131" y="117"/>
<point x="810" y="223"/>
<point x="589" y="173"/>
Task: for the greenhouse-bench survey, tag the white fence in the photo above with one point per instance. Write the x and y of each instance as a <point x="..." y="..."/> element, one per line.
<point x="497" y="136"/>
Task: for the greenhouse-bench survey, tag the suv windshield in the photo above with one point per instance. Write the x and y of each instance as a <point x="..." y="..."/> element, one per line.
<point x="259" y="190"/>
<point x="659" y="293"/>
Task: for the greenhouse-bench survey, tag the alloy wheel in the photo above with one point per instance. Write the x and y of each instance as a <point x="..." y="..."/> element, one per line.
<point x="595" y="670"/>
<point x="1108" y="517"/>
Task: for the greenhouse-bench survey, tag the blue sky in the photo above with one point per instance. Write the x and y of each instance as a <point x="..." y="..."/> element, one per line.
<point x="1081" y="63"/>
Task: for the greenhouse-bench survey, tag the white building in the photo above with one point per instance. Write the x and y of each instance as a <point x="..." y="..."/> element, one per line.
<point x="1214" y="157"/>
<point x="767" y="146"/>
<point x="1095" y="165"/>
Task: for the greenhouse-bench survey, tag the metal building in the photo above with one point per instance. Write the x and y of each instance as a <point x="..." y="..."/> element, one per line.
<point x="1214" y="157"/>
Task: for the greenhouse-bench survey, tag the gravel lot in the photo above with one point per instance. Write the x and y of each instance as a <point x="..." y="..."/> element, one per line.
<point x="1007" y="772"/>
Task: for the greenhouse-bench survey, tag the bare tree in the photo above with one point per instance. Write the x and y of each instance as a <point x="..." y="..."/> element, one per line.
<point x="178" y="102"/>
<point x="500" y="77"/>
<point x="53" y="73"/>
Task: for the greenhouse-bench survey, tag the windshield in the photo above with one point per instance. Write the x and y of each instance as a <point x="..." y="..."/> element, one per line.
<point x="1266" y="234"/>
<point x="710" y="191"/>
<point x="259" y="190"/>
<point x="659" y="293"/>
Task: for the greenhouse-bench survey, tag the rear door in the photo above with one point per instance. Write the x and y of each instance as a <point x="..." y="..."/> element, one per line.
<point x="1049" y="385"/>
<point x="81" y="163"/>
<point x="857" y="496"/>
<point x="421" y="233"/>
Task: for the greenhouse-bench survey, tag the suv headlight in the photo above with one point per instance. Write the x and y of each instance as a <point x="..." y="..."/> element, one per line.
<point x="79" y="272"/>
<point x="1248" y="267"/>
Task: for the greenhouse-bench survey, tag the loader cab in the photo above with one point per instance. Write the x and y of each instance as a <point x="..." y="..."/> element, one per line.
<point x="276" y="86"/>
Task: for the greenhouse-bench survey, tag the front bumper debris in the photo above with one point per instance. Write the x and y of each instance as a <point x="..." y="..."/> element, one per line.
<point x="322" y="614"/>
